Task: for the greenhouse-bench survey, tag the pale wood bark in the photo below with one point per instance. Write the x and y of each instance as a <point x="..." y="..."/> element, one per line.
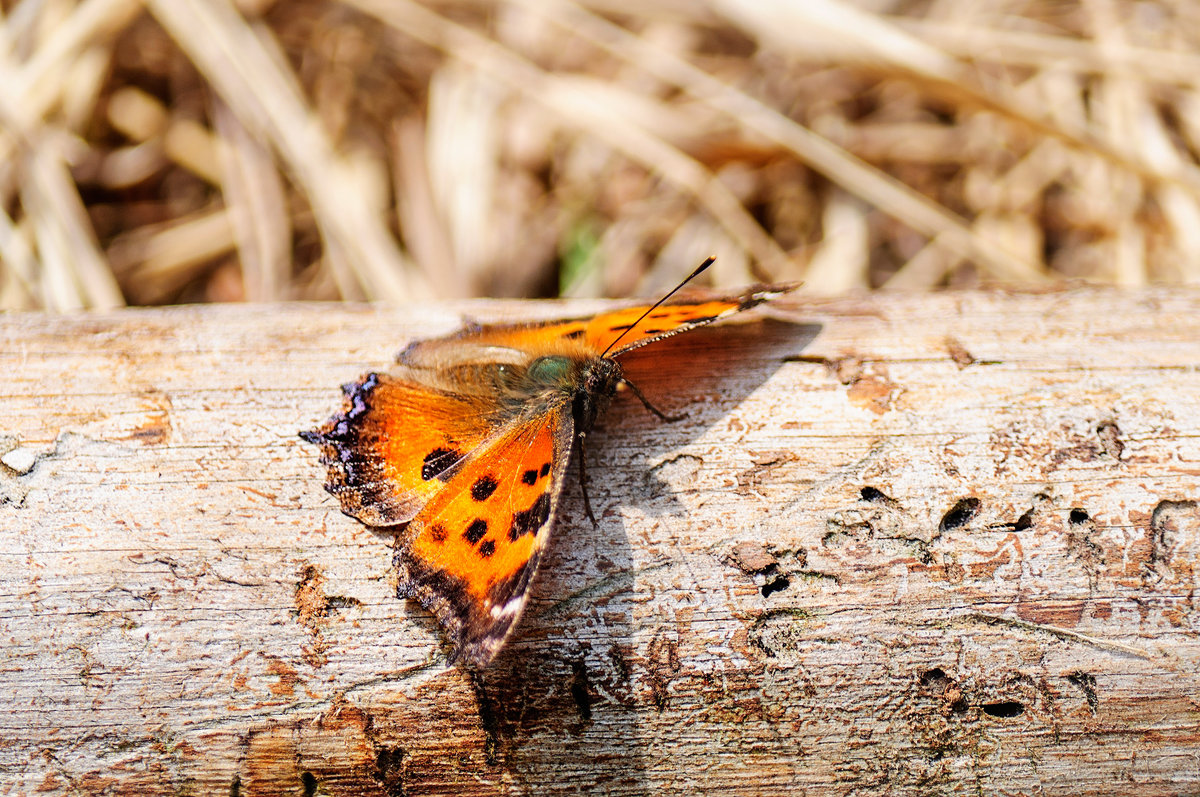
<point x="925" y="545"/>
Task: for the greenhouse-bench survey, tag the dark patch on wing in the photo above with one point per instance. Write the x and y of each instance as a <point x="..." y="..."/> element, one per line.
<point x="442" y="594"/>
<point x="438" y="461"/>
<point x="531" y="519"/>
<point x="545" y="469"/>
<point x="483" y="488"/>
<point x="530" y="477"/>
<point x="438" y="532"/>
<point x="343" y="428"/>
<point x="356" y="473"/>
<point x="487" y="549"/>
<point x="502" y="592"/>
<point x="475" y="531"/>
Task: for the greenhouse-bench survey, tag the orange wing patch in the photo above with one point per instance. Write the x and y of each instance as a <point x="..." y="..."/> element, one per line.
<point x="469" y="555"/>
<point x="395" y="445"/>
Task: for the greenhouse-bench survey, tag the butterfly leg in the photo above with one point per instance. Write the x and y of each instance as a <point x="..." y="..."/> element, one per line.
<point x="587" y="504"/>
<point x="646" y="403"/>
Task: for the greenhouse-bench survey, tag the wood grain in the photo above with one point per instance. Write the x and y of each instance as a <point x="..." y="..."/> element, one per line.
<point x="910" y="545"/>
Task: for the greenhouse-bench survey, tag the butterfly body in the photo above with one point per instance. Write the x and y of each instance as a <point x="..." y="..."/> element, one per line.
<point x="466" y="445"/>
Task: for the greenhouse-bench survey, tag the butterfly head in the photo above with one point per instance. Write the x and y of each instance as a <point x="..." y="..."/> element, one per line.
<point x="598" y="382"/>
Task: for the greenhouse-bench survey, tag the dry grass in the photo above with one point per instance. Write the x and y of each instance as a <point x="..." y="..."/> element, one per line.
<point x="193" y="150"/>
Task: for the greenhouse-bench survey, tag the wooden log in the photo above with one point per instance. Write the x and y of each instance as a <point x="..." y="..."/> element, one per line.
<point x="912" y="545"/>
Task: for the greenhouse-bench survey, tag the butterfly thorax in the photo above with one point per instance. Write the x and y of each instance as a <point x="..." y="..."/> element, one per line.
<point x="547" y="382"/>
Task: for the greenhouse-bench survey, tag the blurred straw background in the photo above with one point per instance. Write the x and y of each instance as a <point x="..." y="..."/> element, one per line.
<point x="172" y="151"/>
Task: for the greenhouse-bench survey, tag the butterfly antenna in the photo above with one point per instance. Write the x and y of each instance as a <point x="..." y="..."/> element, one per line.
<point x="699" y="270"/>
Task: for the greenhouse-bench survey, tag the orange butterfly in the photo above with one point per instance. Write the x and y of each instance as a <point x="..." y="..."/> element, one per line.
<point x="468" y="443"/>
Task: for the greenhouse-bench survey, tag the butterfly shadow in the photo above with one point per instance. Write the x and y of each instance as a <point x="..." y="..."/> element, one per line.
<point x="700" y="379"/>
<point x="589" y="655"/>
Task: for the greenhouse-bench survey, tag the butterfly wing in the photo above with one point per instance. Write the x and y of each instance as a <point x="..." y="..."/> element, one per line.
<point x="606" y="329"/>
<point x="594" y="335"/>
<point x="471" y="552"/>
<point x="397" y="443"/>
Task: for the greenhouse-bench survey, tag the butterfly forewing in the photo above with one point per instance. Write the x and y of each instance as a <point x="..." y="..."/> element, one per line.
<point x="596" y="334"/>
<point x="469" y="555"/>
<point x="396" y="444"/>
<point x="619" y="326"/>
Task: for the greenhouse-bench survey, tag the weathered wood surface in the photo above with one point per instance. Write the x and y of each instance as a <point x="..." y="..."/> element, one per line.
<point x="930" y="545"/>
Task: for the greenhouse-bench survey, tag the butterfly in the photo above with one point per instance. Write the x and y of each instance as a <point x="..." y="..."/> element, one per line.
<point x="466" y="444"/>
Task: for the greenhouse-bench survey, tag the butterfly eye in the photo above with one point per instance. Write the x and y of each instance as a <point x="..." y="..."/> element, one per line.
<point x="549" y="370"/>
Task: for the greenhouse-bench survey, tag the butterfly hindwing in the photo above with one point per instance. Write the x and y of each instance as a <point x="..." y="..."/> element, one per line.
<point x="471" y="552"/>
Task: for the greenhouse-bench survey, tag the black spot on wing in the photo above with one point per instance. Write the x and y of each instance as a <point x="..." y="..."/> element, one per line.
<point x="574" y="333"/>
<point x="438" y="461"/>
<point x="475" y="531"/>
<point x="545" y="469"/>
<point x="487" y="549"/>
<point x="438" y="532"/>
<point x="531" y="519"/>
<point x="620" y="327"/>
<point x="483" y="488"/>
<point x="530" y="477"/>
